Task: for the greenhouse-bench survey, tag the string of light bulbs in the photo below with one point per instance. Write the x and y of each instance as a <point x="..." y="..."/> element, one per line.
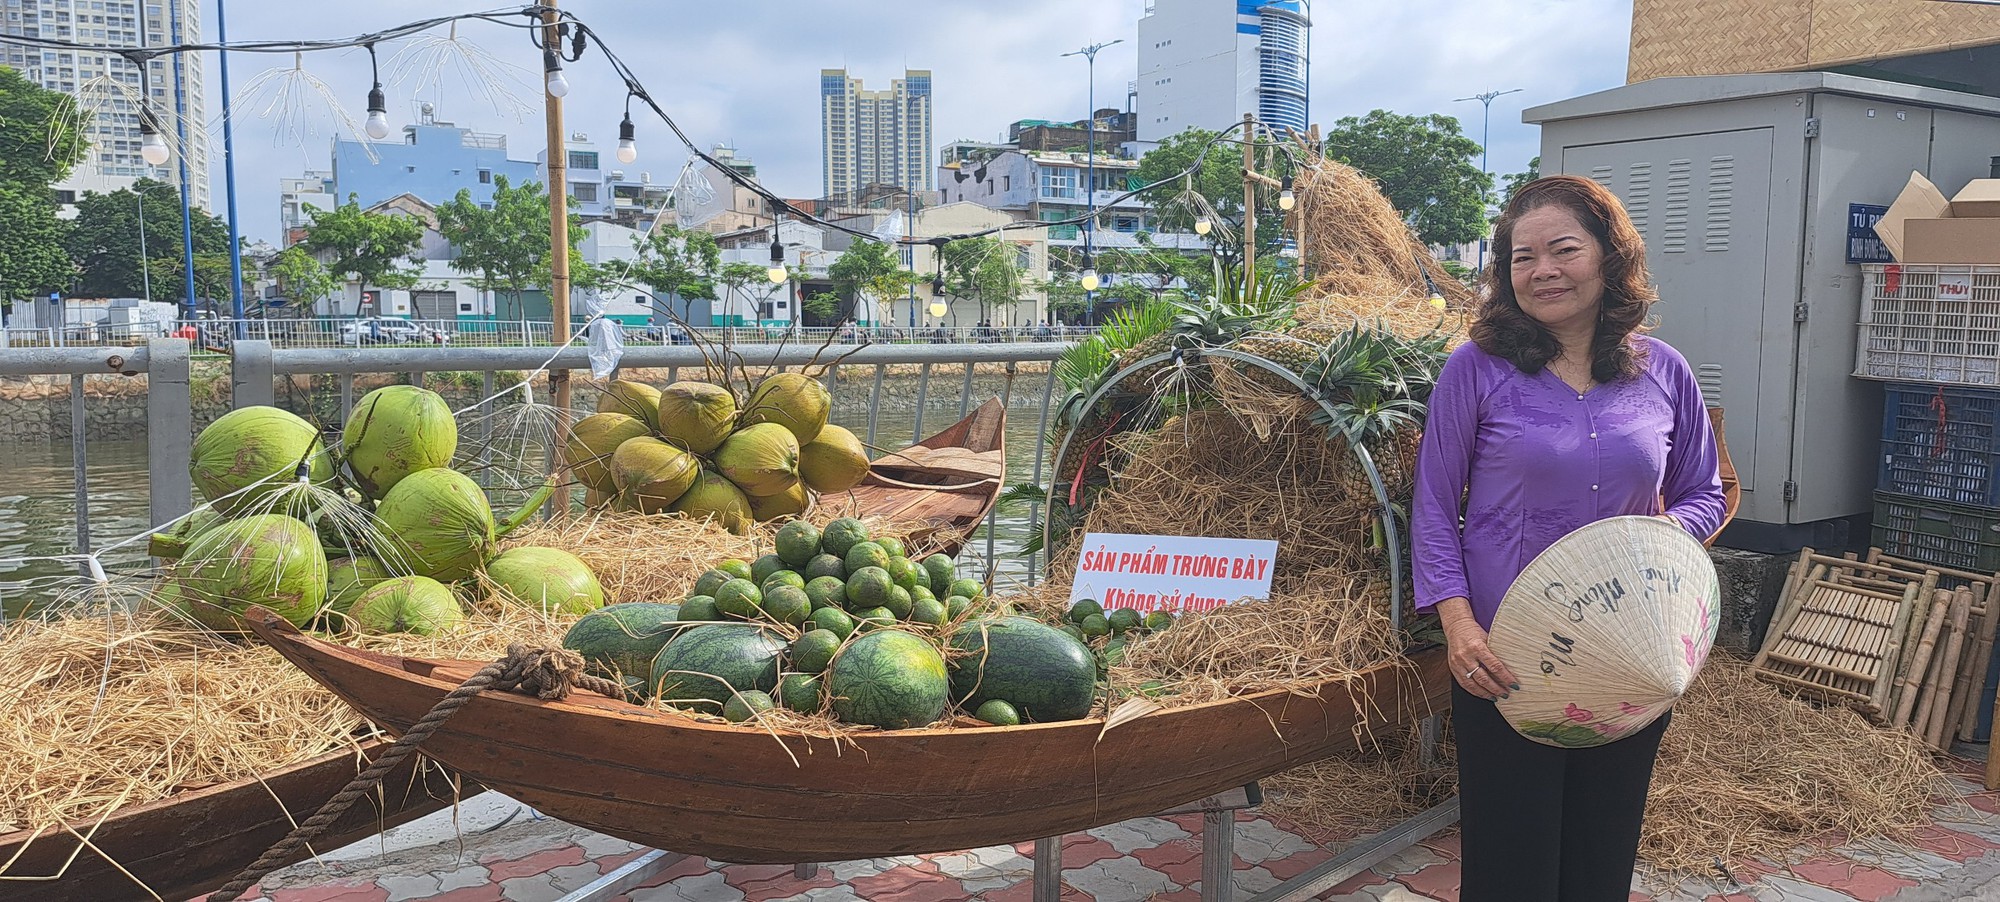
<point x="580" y="36"/>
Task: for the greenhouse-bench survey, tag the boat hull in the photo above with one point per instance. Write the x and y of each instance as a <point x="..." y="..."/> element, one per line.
<point x="738" y="794"/>
<point x="192" y="842"/>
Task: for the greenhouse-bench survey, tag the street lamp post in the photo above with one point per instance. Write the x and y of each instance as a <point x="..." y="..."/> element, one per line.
<point x="1089" y="55"/>
<point x="1486" y="121"/>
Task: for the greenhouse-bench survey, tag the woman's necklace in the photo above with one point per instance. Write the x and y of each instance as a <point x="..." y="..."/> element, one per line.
<point x="1575" y="376"/>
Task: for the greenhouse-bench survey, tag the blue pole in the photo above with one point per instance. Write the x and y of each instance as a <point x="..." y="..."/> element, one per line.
<point x="180" y="126"/>
<point x="229" y="178"/>
<point x="910" y="254"/>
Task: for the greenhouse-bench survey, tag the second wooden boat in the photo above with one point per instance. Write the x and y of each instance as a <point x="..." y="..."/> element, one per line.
<point x="942" y="486"/>
<point x="742" y="794"/>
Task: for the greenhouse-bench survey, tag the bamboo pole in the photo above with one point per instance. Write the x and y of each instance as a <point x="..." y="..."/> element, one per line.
<point x="1898" y="641"/>
<point x="1963" y="714"/>
<point x="1249" y="199"/>
<point x="558" y="187"/>
<point x="1925" y="588"/>
<point x="1788" y="605"/>
<point x="1982" y="657"/>
<point x="1934" y="732"/>
<point x="1920" y="660"/>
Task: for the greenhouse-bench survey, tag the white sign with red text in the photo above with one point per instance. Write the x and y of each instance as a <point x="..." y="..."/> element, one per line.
<point x="1177" y="574"/>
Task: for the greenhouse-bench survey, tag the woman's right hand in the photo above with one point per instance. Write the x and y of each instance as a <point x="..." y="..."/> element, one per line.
<point x="1473" y="664"/>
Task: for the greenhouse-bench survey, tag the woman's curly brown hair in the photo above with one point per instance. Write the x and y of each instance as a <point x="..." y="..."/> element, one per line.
<point x="1504" y="330"/>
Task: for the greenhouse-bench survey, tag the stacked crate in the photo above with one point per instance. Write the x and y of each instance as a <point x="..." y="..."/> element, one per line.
<point x="1933" y="333"/>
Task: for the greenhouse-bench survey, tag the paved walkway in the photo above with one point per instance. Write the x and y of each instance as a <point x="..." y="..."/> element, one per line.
<point x="502" y="852"/>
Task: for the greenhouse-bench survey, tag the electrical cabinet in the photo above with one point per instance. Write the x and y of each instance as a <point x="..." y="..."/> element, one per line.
<point x="1744" y="186"/>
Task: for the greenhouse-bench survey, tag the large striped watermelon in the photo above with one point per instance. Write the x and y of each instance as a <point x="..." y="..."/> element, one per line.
<point x="623" y="639"/>
<point x="1042" y="671"/>
<point x="714" y="661"/>
<point x="889" y="679"/>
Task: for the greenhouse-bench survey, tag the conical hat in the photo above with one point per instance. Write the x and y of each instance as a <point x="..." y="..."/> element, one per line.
<point x="1605" y="630"/>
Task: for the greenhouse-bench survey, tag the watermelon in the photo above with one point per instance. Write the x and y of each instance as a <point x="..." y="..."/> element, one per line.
<point x="942" y="572"/>
<point x="998" y="713"/>
<point x="814" y="650"/>
<point x="1044" y="673"/>
<point x="706" y="665"/>
<point x="889" y="679"/>
<point x="746" y="705"/>
<point x="623" y="638"/>
<point x="825" y="565"/>
<point x="801" y="692"/>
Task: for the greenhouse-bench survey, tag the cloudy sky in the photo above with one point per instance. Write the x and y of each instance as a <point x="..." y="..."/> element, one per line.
<point x="746" y="72"/>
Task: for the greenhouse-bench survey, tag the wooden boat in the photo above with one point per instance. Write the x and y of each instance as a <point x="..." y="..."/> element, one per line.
<point x="736" y="793"/>
<point x="1732" y="487"/>
<point x="947" y="483"/>
<point x="192" y="842"/>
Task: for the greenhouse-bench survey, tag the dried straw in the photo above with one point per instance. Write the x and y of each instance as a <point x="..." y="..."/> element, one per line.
<point x="110" y="711"/>
<point x="1356" y="243"/>
<point x="1744" y="772"/>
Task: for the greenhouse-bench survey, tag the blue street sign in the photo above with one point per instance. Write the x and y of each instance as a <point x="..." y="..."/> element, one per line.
<point x="1863" y="246"/>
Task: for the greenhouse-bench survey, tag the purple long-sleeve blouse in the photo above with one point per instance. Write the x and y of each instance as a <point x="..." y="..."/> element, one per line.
<point x="1534" y="460"/>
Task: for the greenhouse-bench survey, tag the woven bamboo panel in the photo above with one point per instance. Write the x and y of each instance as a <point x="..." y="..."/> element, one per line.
<point x="1840" y="644"/>
<point x="1723" y="37"/>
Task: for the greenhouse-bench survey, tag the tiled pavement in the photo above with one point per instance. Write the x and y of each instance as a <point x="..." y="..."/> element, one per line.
<point x="539" y="860"/>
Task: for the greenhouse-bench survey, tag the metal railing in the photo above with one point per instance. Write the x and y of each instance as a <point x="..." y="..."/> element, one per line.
<point x="217" y="335"/>
<point x="169" y="416"/>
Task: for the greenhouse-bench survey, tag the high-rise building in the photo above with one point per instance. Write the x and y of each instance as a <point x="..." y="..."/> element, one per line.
<point x="875" y="137"/>
<point x="105" y="84"/>
<point x="1204" y="63"/>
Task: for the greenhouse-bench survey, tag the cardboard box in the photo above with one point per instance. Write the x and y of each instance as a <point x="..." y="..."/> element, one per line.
<point x="1923" y="227"/>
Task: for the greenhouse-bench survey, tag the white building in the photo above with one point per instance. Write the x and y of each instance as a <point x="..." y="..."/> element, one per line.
<point x="105" y="84"/>
<point x="875" y="137"/>
<point x="1204" y="63"/>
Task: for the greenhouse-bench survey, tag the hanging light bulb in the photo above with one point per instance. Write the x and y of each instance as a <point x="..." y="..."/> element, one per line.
<point x="627" y="150"/>
<point x="777" y="273"/>
<point x="378" y="114"/>
<point x="938" y="309"/>
<point x="1202" y="226"/>
<point x="152" y="146"/>
<point x="552" y="65"/>
<point x="1089" y="280"/>
<point x="1437" y="300"/>
<point x="1287" y="200"/>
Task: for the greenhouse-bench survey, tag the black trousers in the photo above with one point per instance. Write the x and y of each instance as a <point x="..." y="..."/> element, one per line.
<point x="1544" y="824"/>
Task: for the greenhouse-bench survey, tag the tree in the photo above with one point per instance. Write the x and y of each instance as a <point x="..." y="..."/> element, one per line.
<point x="104" y="242"/>
<point x="504" y="244"/>
<point x="869" y="269"/>
<point x="1428" y="170"/>
<point x="1068" y="301"/>
<point x="734" y="277"/>
<point x="673" y="262"/>
<point x="32" y="262"/>
<point x="982" y="269"/>
<point x="302" y="277"/>
<point x="1219" y="185"/>
<point x="41" y="134"/>
<point x="375" y="249"/>
<point x="824" y="306"/>
<point x="1517" y="181"/>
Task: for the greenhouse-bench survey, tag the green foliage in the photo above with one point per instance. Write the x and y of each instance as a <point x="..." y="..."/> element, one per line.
<point x="103" y="239"/>
<point x="1428" y="170"/>
<point x="1066" y="297"/>
<point x="375" y="249"/>
<point x="1380" y="381"/>
<point x="506" y="248"/>
<point x="32" y="262"/>
<point x="1220" y="180"/>
<point x="673" y="262"/>
<point x="41" y="134"/>
<point x="302" y="277"/>
<point x="982" y="269"/>
<point x="1238" y="307"/>
<point x="824" y="305"/>
<point x="1518" y="180"/>
<point x="871" y="269"/>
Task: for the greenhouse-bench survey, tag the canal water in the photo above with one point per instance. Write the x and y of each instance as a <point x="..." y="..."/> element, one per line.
<point x="38" y="499"/>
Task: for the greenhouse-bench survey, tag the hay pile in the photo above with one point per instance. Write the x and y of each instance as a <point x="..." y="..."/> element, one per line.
<point x="105" y="712"/>
<point x="1744" y="772"/>
<point x="1357" y="244"/>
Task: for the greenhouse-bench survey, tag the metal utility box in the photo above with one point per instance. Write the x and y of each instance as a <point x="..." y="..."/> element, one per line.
<point x="1745" y="187"/>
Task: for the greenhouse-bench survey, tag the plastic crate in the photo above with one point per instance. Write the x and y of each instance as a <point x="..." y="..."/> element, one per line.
<point x="1949" y="535"/>
<point x="1925" y="323"/>
<point x="1941" y="443"/>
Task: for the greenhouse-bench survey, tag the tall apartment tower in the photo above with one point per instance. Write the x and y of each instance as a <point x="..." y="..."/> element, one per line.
<point x="1204" y="63"/>
<point x="103" y="82"/>
<point x="876" y="137"/>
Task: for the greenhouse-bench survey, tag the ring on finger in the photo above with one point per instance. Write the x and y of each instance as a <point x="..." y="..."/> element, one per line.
<point x="1469" y="674"/>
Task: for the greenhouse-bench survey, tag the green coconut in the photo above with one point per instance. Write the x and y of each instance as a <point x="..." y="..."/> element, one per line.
<point x="696" y="415"/>
<point x="407" y="604"/>
<point x="789" y="503"/>
<point x="550" y="579"/>
<point x="439" y="523"/>
<point x="255" y="446"/>
<point x="633" y="399"/>
<point x="651" y="474"/>
<point x="714" y="497"/>
<point x="762" y="460"/>
<point x="268" y="559"/>
<point x="591" y="443"/>
<point x="348" y="577"/>
<point x="170" y="543"/>
<point x="394" y="431"/>
<point x="835" y="461"/>
<point x="792" y="400"/>
<point x="177" y="604"/>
